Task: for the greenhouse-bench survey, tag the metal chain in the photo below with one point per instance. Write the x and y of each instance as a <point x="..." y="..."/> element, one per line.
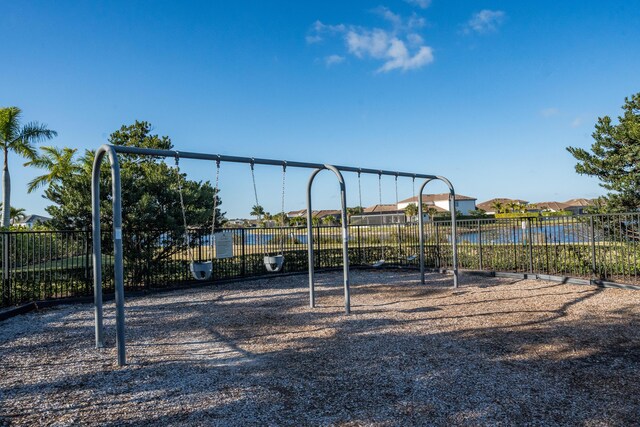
<point x="284" y="174"/>
<point x="184" y="213"/>
<point x="215" y="205"/>
<point x="359" y="191"/>
<point x="380" y="207"/>
<point x="396" y="191"/>
<point x="253" y="178"/>
<point x="255" y="192"/>
<point x="380" y="188"/>
<point x="282" y="214"/>
<point x="413" y="188"/>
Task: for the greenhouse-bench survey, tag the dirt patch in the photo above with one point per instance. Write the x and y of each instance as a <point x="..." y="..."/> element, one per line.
<point x="494" y="351"/>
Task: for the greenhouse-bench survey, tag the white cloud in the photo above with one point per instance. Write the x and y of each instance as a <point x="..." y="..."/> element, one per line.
<point x="319" y="30"/>
<point x="399" y="48"/>
<point x="415" y="39"/>
<point x="380" y="44"/>
<point x="549" y="112"/>
<point x="386" y="13"/>
<point x="361" y="43"/>
<point x="485" y="21"/>
<point x="401" y="59"/>
<point x="333" y="60"/>
<point x="422" y="4"/>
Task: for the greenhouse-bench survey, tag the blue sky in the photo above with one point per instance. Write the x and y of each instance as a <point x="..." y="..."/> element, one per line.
<point x="487" y="93"/>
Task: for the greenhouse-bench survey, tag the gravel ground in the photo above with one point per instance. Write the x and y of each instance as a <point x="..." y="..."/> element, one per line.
<point x="493" y="352"/>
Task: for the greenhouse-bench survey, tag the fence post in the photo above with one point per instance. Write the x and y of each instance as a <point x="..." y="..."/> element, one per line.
<point x="6" y="292"/>
<point x="359" y="245"/>
<point x="318" y="260"/>
<point x="399" y="244"/>
<point x="480" y="245"/>
<point x="243" y="268"/>
<point x="593" y="249"/>
<point x="530" y="238"/>
<point x="515" y="248"/>
<point x="435" y="223"/>
<point x="87" y="252"/>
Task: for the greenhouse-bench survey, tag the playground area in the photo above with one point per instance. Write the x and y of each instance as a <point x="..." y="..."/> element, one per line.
<point x="494" y="351"/>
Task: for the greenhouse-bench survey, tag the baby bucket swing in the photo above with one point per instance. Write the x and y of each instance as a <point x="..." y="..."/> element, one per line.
<point x="200" y="270"/>
<point x="273" y="263"/>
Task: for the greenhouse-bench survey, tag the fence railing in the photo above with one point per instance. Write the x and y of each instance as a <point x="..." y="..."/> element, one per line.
<point x="39" y="265"/>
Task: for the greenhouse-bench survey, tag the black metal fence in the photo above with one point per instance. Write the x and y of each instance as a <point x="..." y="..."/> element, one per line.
<point x="40" y="265"/>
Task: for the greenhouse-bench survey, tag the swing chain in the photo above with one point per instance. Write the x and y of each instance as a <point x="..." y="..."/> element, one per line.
<point x="284" y="174"/>
<point x="182" y="206"/>
<point x="253" y="178"/>
<point x="215" y="206"/>
<point x="381" y="215"/>
<point x="359" y="190"/>
<point x="396" y="191"/>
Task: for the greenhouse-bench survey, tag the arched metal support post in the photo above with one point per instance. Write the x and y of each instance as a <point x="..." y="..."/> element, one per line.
<point x="117" y="249"/>
<point x="345" y="238"/>
<point x="454" y="239"/>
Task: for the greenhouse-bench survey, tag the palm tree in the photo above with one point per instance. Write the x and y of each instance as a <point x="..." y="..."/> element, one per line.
<point x="58" y="162"/>
<point x="411" y="211"/>
<point x="257" y="211"/>
<point x="17" y="214"/>
<point x="513" y="206"/>
<point x="497" y="207"/>
<point x="20" y="139"/>
<point x="328" y="220"/>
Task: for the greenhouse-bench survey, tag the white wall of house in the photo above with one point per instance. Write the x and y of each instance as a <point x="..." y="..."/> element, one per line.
<point x="464" y="206"/>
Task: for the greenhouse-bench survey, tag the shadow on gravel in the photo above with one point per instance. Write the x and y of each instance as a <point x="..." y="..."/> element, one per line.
<point x="408" y="355"/>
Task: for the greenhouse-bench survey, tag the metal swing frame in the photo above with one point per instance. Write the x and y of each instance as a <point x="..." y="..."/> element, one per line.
<point x="112" y="151"/>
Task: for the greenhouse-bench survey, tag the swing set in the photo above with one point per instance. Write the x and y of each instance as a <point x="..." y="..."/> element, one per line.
<point x="203" y="270"/>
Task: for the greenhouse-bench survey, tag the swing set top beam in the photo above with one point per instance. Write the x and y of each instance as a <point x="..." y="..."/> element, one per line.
<point x="258" y="161"/>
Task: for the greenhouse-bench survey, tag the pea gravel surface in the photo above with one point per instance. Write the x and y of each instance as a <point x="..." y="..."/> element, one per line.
<point x="495" y="351"/>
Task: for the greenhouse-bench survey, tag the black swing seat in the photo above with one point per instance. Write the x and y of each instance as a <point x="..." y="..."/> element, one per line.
<point x="411" y="257"/>
<point x="201" y="270"/>
<point x="274" y="263"/>
<point x="378" y="264"/>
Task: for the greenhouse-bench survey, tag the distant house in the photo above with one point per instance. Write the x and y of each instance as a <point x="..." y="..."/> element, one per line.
<point x="464" y="204"/>
<point x="302" y="213"/>
<point x="379" y="214"/>
<point x="489" y="208"/>
<point x="298" y="213"/>
<point x="551" y="206"/>
<point x="30" y="220"/>
<point x="577" y="206"/>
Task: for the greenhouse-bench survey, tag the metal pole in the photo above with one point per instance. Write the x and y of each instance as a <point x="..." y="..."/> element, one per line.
<point x="97" y="249"/>
<point x="244" y="252"/>
<point x="593" y="249"/>
<point x="117" y="249"/>
<point x="454" y="234"/>
<point x="6" y="282"/>
<point x="480" y="245"/>
<point x="530" y="237"/>
<point x="345" y="238"/>
<point x="312" y="297"/>
<point x="421" y="229"/>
